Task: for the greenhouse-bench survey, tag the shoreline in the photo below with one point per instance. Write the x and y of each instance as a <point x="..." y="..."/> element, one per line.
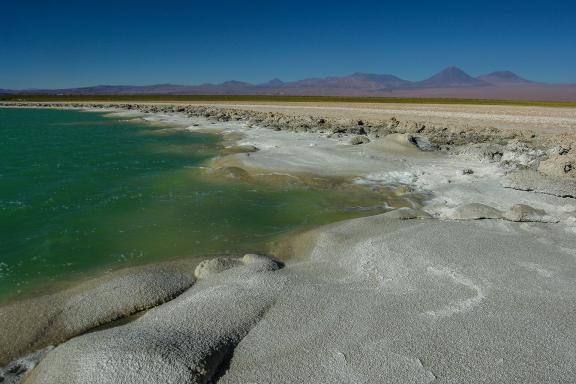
<point x="206" y="173"/>
<point x="452" y="269"/>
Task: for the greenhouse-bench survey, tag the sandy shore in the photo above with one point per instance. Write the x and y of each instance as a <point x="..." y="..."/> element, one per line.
<point x="476" y="285"/>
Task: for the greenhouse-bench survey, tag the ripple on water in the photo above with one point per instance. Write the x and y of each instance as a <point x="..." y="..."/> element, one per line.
<point x="93" y="193"/>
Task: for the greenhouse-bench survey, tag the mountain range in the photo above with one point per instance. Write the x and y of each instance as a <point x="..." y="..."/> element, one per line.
<point x="450" y="82"/>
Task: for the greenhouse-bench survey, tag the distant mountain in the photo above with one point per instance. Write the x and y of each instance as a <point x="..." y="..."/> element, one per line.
<point x="363" y="81"/>
<point x="451" y="77"/>
<point x="235" y="84"/>
<point x="504" y="78"/>
<point x="450" y="82"/>
<point x="124" y="89"/>
<point x="380" y="81"/>
<point x="273" y="83"/>
<point x="111" y="90"/>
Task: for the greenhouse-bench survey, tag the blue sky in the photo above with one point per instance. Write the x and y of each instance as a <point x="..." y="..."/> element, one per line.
<point x="79" y="43"/>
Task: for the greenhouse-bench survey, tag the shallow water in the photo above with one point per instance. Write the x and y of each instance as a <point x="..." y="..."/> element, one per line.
<point x="81" y="193"/>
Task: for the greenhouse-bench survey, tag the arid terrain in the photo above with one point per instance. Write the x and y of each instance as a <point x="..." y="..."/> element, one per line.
<point x="544" y="120"/>
<point x="474" y="283"/>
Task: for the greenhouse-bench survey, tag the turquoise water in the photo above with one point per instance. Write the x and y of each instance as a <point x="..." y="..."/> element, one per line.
<point x="82" y="193"/>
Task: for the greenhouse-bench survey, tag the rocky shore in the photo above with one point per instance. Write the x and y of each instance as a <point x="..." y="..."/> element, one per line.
<point x="477" y="284"/>
<point x="547" y="162"/>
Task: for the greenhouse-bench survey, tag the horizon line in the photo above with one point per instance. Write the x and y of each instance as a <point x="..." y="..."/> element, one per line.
<point x="253" y="83"/>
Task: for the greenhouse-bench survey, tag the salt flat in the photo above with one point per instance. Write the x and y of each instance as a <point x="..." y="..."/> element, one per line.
<point x="477" y="284"/>
<point x="540" y="119"/>
<point x="375" y="300"/>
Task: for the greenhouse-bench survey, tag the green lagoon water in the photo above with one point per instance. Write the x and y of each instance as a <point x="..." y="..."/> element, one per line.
<point x="81" y="193"/>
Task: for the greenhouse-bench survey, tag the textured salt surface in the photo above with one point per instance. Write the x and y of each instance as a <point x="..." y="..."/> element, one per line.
<point x="28" y="325"/>
<point x="377" y="300"/>
<point x="368" y="300"/>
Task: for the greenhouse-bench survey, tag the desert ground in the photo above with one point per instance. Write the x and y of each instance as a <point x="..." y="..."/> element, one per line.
<point x="544" y="120"/>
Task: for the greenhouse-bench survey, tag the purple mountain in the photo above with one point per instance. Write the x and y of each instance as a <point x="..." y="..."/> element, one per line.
<point x="451" y="77"/>
<point x="355" y="81"/>
<point x="451" y="82"/>
<point x="504" y="78"/>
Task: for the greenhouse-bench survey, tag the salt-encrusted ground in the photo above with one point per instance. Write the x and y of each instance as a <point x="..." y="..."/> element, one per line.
<point x="478" y="285"/>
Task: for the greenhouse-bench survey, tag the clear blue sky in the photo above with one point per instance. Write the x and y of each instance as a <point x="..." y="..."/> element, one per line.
<point x="47" y="44"/>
